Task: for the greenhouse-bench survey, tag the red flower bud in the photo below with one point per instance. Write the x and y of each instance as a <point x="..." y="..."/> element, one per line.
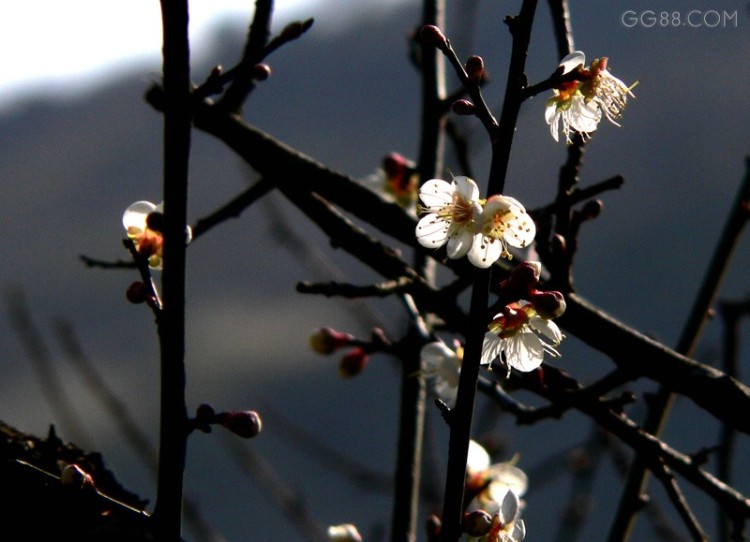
<point x="354" y="362"/>
<point x="523" y="279"/>
<point x="261" y="72"/>
<point x="477" y="523"/>
<point x="463" y="107"/>
<point x="327" y="340"/>
<point x="137" y="292"/>
<point x="244" y="423"/>
<point x="548" y="305"/>
<point x="475" y="68"/>
<point x="432" y="35"/>
<point x="75" y="477"/>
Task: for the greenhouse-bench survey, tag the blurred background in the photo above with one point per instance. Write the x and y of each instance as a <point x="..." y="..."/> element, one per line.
<point x="78" y="144"/>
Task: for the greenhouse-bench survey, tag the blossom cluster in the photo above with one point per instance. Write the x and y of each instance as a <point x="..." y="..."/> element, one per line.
<point x="494" y="513"/>
<point x="482" y="230"/>
<point x="581" y="103"/>
<point x="519" y="335"/>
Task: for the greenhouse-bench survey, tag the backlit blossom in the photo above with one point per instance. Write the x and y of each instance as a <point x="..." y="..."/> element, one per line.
<point x="521" y="336"/>
<point x="507" y="525"/>
<point x="452" y="214"/>
<point x="580" y="104"/>
<point x="488" y="482"/>
<point x="504" y="222"/>
<point x="344" y="533"/>
<point x="442" y="365"/>
<point x="606" y="90"/>
<point x="396" y="181"/>
<point x="147" y="236"/>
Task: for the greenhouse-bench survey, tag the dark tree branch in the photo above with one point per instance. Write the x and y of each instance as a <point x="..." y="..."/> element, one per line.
<point x="658" y="411"/>
<point x="177" y="127"/>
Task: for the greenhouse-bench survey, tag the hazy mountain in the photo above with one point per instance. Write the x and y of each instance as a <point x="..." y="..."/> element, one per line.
<point x="69" y="168"/>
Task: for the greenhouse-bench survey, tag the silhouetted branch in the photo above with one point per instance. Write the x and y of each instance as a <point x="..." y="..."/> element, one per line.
<point x="659" y="409"/>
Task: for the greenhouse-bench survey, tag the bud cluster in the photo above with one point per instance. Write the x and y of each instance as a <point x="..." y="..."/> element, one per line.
<point x="327" y="341"/>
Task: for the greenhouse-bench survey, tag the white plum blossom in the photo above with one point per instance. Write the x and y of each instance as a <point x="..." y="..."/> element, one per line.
<point x="580" y="104"/>
<point x="504" y="222"/>
<point x="606" y="91"/>
<point x="521" y="337"/>
<point x="482" y="230"/>
<point x="570" y="108"/>
<point x="453" y="211"/>
<point x="142" y="226"/>
<point x="345" y="532"/>
<point x="442" y="365"/>
<point x="148" y="241"/>
<point x="490" y="481"/>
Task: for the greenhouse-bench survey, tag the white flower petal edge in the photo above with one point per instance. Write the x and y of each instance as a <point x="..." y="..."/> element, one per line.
<point x="134" y="217"/>
<point x="572" y="61"/>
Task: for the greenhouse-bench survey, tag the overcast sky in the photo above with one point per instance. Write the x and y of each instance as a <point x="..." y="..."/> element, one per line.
<point x="43" y="41"/>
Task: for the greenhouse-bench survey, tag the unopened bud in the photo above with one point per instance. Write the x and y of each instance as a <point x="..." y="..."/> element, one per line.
<point x="344" y="533"/>
<point x="354" y="362"/>
<point x="463" y="107"/>
<point x="396" y="165"/>
<point x="137" y="292"/>
<point x="548" y="305"/>
<point x="592" y="209"/>
<point x="244" y="423"/>
<point x="294" y="30"/>
<point x="477" y="523"/>
<point x="523" y="278"/>
<point x="75" y="477"/>
<point x="475" y="68"/>
<point x="327" y="340"/>
<point x="432" y="35"/>
<point x="261" y="72"/>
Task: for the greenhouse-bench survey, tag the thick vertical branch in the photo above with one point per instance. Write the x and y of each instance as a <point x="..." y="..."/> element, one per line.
<point x="460" y="418"/>
<point x="177" y="124"/>
<point x="659" y="408"/>
<point x="520" y="28"/>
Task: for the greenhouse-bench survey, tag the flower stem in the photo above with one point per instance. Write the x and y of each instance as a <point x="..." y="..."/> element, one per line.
<point x="461" y="416"/>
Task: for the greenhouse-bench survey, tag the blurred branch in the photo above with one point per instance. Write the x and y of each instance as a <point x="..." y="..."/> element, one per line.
<point x="128" y="427"/>
<point x="659" y="409"/>
<point x="233" y="208"/>
<point x="731" y="314"/>
<point x="283" y="494"/>
<point x="50" y="382"/>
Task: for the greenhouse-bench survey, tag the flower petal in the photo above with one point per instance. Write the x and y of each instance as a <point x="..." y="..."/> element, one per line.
<point x="524" y="351"/>
<point x="436" y="193"/>
<point x="572" y="61"/>
<point x="484" y="251"/>
<point x="467" y="188"/>
<point x="491" y="348"/>
<point x="431" y="231"/>
<point x="459" y="243"/>
<point x="509" y="508"/>
<point x="135" y="215"/>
